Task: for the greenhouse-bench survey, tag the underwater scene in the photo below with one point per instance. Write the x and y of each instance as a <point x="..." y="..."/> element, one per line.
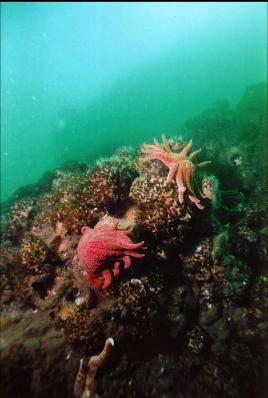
<point x="134" y="200"/>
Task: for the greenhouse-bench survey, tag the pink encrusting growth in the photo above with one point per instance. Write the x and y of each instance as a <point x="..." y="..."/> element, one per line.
<point x="180" y="167"/>
<point x="103" y="249"/>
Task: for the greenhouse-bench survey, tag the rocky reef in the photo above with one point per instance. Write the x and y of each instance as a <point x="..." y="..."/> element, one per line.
<point x="188" y="318"/>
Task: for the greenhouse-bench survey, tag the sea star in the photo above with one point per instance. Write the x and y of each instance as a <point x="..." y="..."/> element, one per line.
<point x="180" y="167"/>
<point x="103" y="246"/>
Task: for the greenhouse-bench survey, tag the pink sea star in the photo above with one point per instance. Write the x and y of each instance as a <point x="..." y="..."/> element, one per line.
<point x="103" y="246"/>
<point x="180" y="167"/>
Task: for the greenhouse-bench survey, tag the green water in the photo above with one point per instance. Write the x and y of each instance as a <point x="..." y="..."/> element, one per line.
<point x="81" y="79"/>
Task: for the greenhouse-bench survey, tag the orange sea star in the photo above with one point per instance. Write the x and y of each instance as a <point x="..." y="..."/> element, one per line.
<point x="180" y="167"/>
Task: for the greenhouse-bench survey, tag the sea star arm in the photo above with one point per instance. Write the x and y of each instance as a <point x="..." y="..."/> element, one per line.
<point x="187" y="174"/>
<point x="171" y="173"/>
<point x="133" y="246"/>
<point x="186" y="149"/>
<point x="157" y="144"/>
<point x="196" y="201"/>
<point x="203" y="164"/>
<point x="127" y="261"/>
<point x="166" y="144"/>
<point x="107" y="278"/>
<point x="193" y="154"/>
<point x="116" y="268"/>
<point x="179" y="181"/>
<point x="133" y="254"/>
<point x="155" y="154"/>
<point x="95" y="281"/>
<point x="153" y="147"/>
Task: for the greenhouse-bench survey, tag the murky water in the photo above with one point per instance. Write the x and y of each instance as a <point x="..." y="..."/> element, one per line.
<point x="79" y="80"/>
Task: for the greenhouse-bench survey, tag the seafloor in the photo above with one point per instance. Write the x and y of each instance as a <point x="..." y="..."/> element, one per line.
<point x="189" y="319"/>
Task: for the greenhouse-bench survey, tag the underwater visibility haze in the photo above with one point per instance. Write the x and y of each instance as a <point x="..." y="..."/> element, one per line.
<point x="80" y="79"/>
<point x="134" y="200"/>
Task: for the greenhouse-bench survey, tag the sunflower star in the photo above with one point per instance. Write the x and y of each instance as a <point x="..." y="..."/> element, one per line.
<point x="180" y="167"/>
<point x="105" y="247"/>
